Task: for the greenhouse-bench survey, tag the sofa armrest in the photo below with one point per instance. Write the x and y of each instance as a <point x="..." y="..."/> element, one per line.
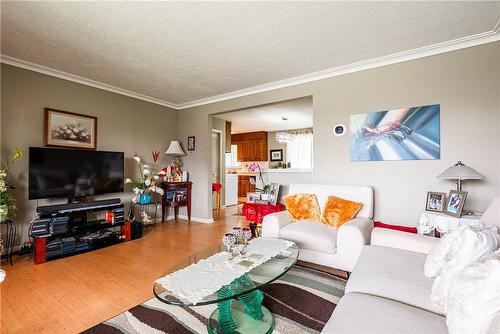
<point x="351" y="238"/>
<point x="274" y="222"/>
<point x="403" y="240"/>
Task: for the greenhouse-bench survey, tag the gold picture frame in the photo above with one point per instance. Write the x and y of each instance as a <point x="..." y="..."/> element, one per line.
<point x="67" y="129"/>
<point x="455" y="203"/>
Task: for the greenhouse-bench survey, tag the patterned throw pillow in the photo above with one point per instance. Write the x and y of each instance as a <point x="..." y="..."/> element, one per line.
<point x="338" y="211"/>
<point x="302" y="207"/>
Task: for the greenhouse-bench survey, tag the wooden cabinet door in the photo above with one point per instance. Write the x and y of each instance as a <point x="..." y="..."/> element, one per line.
<point x="244" y="188"/>
<point x="249" y="150"/>
<point x="260" y="150"/>
<point x="240" y="153"/>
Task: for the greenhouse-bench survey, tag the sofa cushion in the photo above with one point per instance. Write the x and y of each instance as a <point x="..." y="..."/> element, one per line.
<point x="302" y="207"/>
<point x="337" y="211"/>
<point x="311" y="235"/>
<point x="360" y="313"/>
<point x="393" y="274"/>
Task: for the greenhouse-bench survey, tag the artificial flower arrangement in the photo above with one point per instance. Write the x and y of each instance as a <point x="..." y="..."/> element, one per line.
<point x="7" y="202"/>
<point x="254" y="167"/>
<point x="147" y="183"/>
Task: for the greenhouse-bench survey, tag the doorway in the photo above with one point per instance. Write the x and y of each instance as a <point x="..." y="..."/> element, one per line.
<point x="217" y="164"/>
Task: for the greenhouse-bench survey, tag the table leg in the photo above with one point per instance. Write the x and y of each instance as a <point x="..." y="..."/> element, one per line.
<point x="246" y="315"/>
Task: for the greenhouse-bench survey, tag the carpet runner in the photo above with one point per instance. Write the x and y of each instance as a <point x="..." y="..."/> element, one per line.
<point x="301" y="301"/>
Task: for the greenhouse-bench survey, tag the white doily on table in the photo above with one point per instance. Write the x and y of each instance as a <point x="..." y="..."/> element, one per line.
<point x="202" y="279"/>
<point x="429" y="221"/>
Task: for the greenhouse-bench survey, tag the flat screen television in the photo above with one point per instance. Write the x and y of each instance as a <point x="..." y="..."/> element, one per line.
<point x="73" y="173"/>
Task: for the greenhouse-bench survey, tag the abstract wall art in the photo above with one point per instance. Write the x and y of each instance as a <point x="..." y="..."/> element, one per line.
<point x="401" y="134"/>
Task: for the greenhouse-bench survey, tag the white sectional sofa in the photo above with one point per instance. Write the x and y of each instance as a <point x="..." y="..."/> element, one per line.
<point x="322" y="244"/>
<point x="387" y="292"/>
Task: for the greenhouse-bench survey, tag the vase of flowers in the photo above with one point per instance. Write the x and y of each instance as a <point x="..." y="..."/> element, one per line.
<point x="146" y="184"/>
<point x="254" y="167"/>
<point x="7" y="201"/>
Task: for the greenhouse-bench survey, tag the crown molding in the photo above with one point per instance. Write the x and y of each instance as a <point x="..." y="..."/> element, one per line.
<point x="81" y="80"/>
<point x="426" y="51"/>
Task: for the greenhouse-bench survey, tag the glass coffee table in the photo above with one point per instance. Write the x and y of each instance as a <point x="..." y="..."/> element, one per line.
<point x="239" y="303"/>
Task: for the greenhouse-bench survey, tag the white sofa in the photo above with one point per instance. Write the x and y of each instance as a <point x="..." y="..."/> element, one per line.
<point x="387" y="292"/>
<point x="322" y="244"/>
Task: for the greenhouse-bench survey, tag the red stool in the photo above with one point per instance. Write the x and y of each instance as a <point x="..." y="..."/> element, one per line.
<point x="217" y="188"/>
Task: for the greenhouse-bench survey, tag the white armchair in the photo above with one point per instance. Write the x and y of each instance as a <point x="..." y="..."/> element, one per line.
<point x="322" y="244"/>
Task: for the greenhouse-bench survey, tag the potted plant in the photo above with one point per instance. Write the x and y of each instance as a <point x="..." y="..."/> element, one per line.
<point x="147" y="183"/>
<point x="7" y="201"/>
<point x="264" y="191"/>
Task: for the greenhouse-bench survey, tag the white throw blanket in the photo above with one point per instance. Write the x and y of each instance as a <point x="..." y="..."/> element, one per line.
<point x="202" y="279"/>
<point x="473" y="299"/>
<point x="469" y="245"/>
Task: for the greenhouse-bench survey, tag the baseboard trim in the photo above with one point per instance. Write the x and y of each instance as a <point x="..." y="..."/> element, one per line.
<point x="194" y="219"/>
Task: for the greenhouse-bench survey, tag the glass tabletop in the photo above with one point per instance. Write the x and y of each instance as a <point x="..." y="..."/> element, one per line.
<point x="256" y="278"/>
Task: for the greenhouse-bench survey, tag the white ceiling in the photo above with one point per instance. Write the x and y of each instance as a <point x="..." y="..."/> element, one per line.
<point x="180" y="52"/>
<point x="299" y="114"/>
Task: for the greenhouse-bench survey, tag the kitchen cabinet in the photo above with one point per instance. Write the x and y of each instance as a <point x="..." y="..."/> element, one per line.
<point x="252" y="146"/>
<point x="244" y="185"/>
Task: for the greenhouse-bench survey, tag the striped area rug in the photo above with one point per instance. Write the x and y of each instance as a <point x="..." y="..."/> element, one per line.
<point x="301" y="301"/>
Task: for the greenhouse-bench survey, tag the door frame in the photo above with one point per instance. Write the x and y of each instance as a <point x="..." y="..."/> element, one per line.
<point x="222" y="174"/>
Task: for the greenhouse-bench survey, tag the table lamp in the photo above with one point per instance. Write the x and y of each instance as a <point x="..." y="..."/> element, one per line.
<point x="460" y="172"/>
<point x="175" y="151"/>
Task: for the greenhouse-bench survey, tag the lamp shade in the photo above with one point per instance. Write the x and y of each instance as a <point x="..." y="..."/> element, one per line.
<point x="459" y="171"/>
<point x="175" y="149"/>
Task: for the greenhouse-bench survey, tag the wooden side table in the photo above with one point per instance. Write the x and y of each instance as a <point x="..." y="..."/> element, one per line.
<point x="176" y="194"/>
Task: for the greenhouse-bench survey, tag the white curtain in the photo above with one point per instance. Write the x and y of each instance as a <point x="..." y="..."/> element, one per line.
<point x="300" y="150"/>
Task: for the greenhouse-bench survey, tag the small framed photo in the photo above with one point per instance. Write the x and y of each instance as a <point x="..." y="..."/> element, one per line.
<point x="276" y="155"/>
<point x="273" y="193"/>
<point x="435" y="201"/>
<point x="252" y="197"/>
<point x="456" y="202"/>
<point x="67" y="129"/>
<point x="191" y="143"/>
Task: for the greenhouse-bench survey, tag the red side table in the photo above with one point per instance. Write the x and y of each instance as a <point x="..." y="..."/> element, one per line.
<point x="255" y="212"/>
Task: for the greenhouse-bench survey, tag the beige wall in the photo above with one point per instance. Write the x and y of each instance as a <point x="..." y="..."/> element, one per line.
<point x="466" y="83"/>
<point x="124" y="124"/>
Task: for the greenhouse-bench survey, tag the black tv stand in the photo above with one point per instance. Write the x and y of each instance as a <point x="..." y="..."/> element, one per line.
<point x="66" y="229"/>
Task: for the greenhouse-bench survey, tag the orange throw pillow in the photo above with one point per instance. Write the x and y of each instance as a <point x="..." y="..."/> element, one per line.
<point x="337" y="211"/>
<point x="302" y="207"/>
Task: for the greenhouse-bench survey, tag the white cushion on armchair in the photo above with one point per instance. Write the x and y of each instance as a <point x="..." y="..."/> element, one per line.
<point x="320" y="243"/>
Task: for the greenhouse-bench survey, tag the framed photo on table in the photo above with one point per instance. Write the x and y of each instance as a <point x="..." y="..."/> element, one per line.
<point x="456" y="202"/>
<point x="436" y="201"/>
<point x="273" y="193"/>
<point x="67" y="129"/>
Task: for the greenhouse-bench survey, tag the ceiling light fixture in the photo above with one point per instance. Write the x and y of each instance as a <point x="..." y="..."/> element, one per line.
<point x="284" y="136"/>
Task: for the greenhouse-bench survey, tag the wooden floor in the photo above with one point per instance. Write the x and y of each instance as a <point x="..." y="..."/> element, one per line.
<point x="74" y="293"/>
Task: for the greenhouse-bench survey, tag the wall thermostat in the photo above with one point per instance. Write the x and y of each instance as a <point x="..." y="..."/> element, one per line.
<point x="339" y="130"/>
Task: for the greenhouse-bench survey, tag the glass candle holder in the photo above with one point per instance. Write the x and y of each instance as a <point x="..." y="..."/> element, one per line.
<point x="229" y="240"/>
<point x="238" y="233"/>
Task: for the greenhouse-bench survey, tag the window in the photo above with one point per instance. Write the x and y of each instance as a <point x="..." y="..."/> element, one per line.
<point x="299" y="151"/>
<point x="232" y="158"/>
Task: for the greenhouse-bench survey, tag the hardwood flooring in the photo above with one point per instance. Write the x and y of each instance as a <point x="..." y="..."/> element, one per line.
<point x="74" y="293"/>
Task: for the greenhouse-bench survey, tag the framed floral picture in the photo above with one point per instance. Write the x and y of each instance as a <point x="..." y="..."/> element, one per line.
<point x="67" y="129"/>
